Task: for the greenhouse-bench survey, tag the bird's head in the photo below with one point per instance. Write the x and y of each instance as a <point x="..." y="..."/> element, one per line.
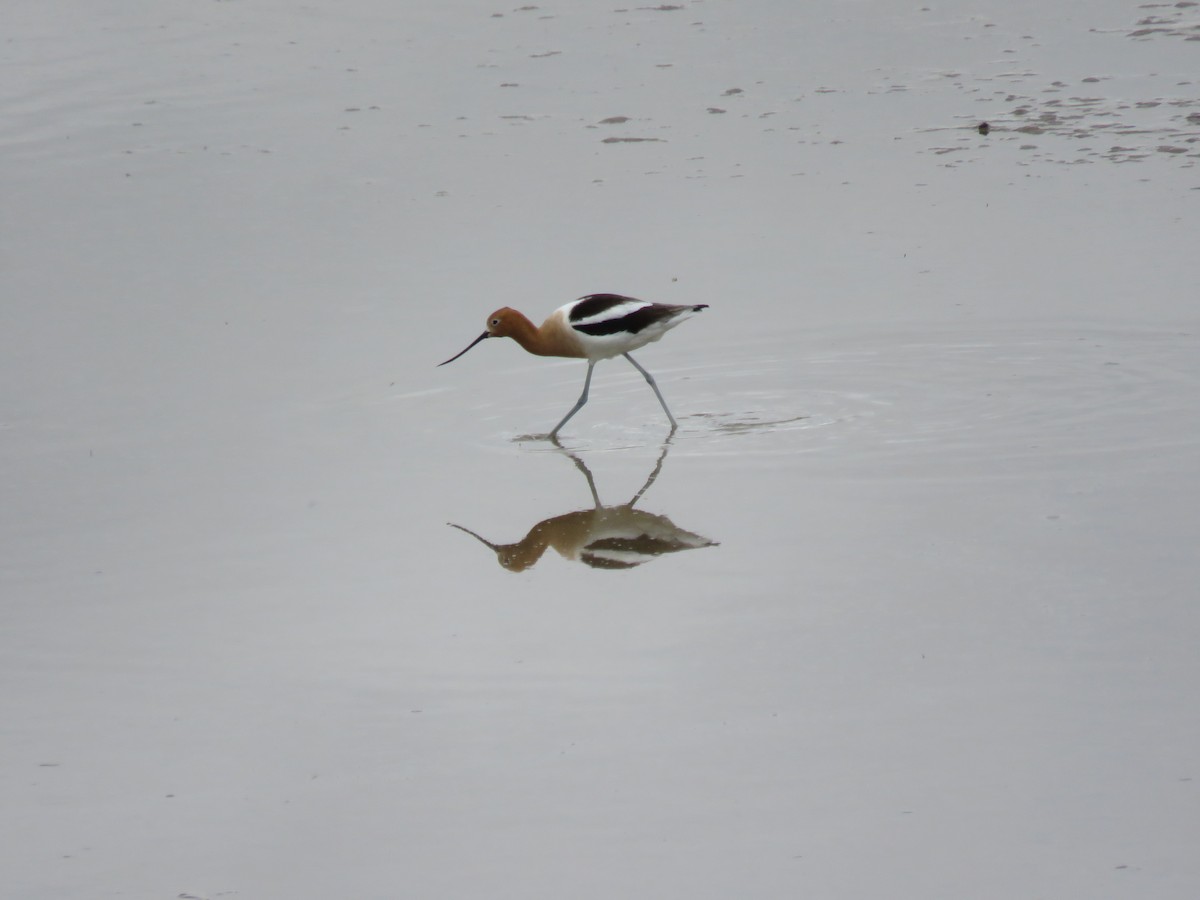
<point x="499" y="324"/>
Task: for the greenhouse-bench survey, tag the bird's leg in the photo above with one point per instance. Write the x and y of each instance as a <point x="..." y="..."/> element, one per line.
<point x="662" y="457"/>
<point x="650" y="381"/>
<point x="587" y="382"/>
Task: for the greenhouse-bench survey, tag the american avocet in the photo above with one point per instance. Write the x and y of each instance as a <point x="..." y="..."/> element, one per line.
<point x="604" y="537"/>
<point x="595" y="327"/>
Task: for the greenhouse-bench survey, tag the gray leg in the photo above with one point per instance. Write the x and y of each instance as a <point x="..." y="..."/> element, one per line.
<point x="650" y="381"/>
<point x="587" y="382"/>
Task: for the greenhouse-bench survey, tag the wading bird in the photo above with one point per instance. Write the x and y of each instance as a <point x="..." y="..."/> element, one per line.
<point x="603" y="537"/>
<point x="595" y="327"/>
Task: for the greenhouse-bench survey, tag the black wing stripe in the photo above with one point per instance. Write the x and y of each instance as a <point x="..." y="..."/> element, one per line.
<point x="630" y="323"/>
<point x="595" y="304"/>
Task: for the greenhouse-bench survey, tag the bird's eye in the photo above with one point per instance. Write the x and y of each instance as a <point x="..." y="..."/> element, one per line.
<point x="494" y="322"/>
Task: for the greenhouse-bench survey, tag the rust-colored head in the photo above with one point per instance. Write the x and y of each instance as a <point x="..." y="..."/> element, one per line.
<point x="502" y="323"/>
<point x="514" y="557"/>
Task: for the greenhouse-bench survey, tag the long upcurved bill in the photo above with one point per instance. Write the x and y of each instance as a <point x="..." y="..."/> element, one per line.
<point x="469" y="346"/>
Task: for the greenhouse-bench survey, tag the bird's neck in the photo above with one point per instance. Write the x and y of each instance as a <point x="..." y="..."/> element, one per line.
<point x="524" y="332"/>
<point x="554" y="338"/>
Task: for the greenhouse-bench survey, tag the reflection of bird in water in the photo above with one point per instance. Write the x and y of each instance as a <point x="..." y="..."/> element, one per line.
<point x="603" y="537"/>
<point x="595" y="327"/>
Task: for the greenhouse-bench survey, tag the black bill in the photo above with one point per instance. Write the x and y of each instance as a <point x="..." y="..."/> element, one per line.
<point x="469" y="346"/>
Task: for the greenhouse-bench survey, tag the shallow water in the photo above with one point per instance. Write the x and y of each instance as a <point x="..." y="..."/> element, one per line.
<point x="905" y="607"/>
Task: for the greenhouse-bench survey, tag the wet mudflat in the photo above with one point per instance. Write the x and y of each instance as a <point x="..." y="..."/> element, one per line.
<point x="905" y="607"/>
